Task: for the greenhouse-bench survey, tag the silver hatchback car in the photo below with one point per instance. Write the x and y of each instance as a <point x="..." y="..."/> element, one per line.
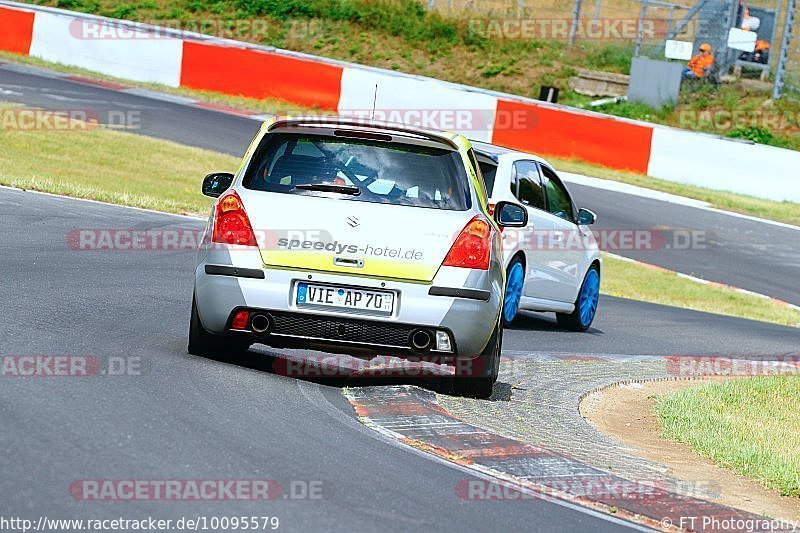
<point x="356" y="237"/>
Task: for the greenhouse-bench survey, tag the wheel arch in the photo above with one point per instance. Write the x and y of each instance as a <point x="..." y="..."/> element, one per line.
<point x="521" y="255"/>
<point x="596" y="263"/>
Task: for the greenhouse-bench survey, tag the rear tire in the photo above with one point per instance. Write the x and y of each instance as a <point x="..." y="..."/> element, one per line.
<point x="487" y="367"/>
<point x="206" y="344"/>
<point x="585" y="304"/>
<point x="515" y="282"/>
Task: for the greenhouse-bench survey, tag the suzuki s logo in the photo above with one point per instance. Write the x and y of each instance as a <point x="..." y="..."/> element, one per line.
<point x="353" y="222"/>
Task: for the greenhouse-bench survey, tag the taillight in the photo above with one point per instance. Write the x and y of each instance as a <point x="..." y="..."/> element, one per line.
<point x="231" y="225"/>
<point x="473" y="246"/>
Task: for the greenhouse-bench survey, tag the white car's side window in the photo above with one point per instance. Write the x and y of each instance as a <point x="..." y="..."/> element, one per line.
<point x="559" y="202"/>
<point x="529" y="185"/>
<point x="514" y="182"/>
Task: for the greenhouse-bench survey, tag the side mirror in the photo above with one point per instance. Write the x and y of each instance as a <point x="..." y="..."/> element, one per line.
<point x="586" y="217"/>
<point x="217" y="183"/>
<point x="510" y="215"/>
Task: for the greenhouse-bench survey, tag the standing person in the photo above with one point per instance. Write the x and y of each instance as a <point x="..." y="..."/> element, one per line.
<point x="697" y="67"/>
<point x="750" y="23"/>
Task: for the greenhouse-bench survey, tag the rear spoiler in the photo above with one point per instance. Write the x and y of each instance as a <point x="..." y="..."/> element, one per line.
<point x="368" y="127"/>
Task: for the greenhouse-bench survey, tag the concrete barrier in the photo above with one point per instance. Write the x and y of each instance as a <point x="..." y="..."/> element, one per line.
<point x="138" y="55"/>
<point x="725" y="164"/>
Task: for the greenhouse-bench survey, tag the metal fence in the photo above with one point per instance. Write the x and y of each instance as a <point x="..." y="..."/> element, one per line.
<point x="643" y="26"/>
<point x="787" y="59"/>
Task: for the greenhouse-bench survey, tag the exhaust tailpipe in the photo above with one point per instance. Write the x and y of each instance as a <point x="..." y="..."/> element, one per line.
<point x="421" y="340"/>
<point x="260" y="324"/>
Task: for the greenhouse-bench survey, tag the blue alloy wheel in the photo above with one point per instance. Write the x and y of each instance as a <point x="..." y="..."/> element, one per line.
<point x="514" y="282"/>
<point x="590" y="294"/>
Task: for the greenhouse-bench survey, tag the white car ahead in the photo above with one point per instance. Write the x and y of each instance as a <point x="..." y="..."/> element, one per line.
<point x="553" y="263"/>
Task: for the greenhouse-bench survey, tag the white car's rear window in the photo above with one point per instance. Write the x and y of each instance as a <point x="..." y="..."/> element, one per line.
<point x="363" y="170"/>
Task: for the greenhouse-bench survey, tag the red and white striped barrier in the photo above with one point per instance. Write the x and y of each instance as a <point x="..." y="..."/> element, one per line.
<point x="260" y="74"/>
<point x="16" y="30"/>
<point x="180" y="59"/>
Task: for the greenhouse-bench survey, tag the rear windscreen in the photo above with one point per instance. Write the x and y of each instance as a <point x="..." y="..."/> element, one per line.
<point x="366" y="170"/>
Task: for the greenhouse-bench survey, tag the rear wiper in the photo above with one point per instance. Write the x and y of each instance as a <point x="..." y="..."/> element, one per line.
<point x="330" y="187"/>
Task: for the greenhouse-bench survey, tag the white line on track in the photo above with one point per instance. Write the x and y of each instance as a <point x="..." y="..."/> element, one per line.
<point x="108" y="204"/>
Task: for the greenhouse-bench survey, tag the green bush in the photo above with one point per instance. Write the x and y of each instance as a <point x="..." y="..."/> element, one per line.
<point x="634" y="110"/>
<point x="122" y="11"/>
<point x="759" y="135"/>
<point x="89" y="6"/>
<point x="409" y="20"/>
<point x="610" y="57"/>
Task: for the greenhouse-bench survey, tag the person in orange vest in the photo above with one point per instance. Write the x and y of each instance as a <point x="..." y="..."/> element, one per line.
<point x="750" y="23"/>
<point x="761" y="53"/>
<point x="700" y="63"/>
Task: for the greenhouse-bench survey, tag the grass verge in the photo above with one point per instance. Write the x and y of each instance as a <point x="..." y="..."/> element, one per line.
<point x="129" y="169"/>
<point x="109" y="166"/>
<point x="629" y="280"/>
<point x="748" y="425"/>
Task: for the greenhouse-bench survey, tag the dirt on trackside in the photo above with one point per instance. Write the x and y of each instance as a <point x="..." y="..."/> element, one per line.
<point x="627" y="413"/>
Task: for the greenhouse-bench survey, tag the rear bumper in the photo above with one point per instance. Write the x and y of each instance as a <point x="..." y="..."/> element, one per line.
<point x="468" y="309"/>
<point x="342" y="334"/>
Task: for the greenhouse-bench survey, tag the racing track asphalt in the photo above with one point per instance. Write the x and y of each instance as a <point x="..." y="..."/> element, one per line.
<point x="744" y="253"/>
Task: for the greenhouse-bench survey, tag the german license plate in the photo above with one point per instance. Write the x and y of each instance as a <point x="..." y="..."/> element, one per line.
<point x="309" y="294"/>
